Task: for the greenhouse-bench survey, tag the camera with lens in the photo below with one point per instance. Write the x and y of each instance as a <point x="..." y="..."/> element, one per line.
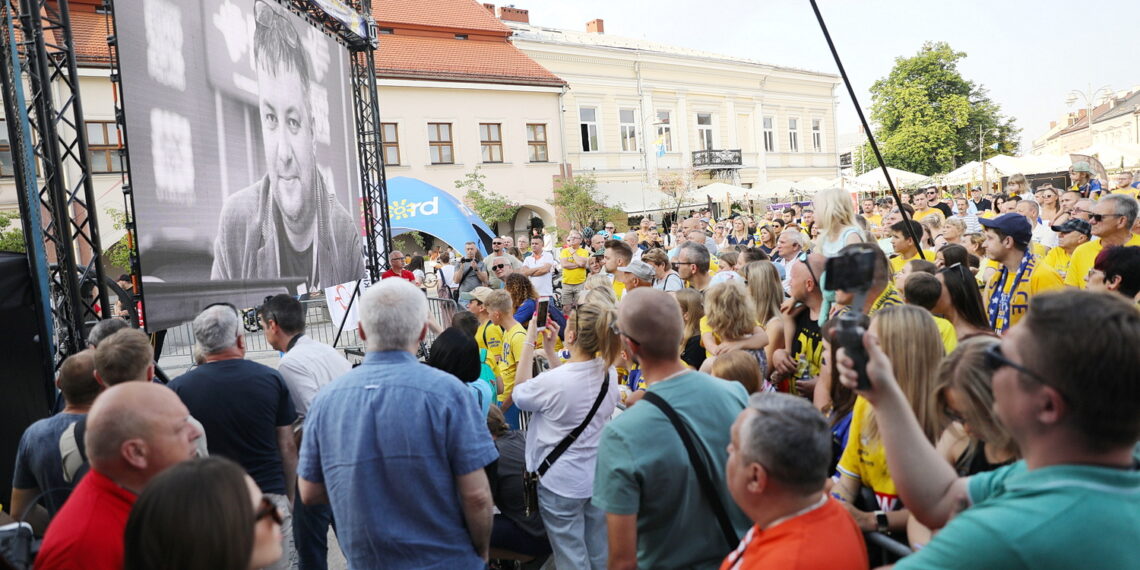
<point x="854" y="273"/>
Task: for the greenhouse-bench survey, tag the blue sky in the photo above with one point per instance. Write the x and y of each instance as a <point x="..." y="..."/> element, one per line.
<point x="1029" y="54"/>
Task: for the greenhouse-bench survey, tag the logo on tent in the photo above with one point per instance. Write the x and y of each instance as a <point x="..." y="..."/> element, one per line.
<point x="401" y="209"/>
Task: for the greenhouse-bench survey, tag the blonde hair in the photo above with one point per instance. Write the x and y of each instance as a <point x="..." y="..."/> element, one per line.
<point x="740" y="366"/>
<point x="596" y="282"/>
<point x="766" y="289"/>
<point x="730" y="310"/>
<point x="957" y="223"/>
<point x="692" y="309"/>
<point x="911" y="341"/>
<point x="965" y="370"/>
<point x="600" y="295"/>
<point x="499" y="301"/>
<point x="833" y="212"/>
<point x="593" y="326"/>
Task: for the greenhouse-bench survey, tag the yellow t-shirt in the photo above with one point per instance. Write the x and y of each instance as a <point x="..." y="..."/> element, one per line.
<point x="573" y="276"/>
<point x="988" y="214"/>
<point x="1042" y="278"/>
<point x="865" y="460"/>
<point x="1084" y="257"/>
<point x="513" y="343"/>
<point x="948" y="334"/>
<point x="897" y="260"/>
<point x="919" y="215"/>
<point x="1126" y="191"/>
<point x="1059" y="260"/>
<point x="489" y="336"/>
<point x="874" y="220"/>
<point x="619" y="288"/>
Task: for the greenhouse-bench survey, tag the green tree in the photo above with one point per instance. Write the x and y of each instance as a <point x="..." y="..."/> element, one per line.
<point x="11" y="238"/>
<point x="928" y="117"/>
<point x="579" y="201"/>
<point x="118" y="254"/>
<point x="489" y="205"/>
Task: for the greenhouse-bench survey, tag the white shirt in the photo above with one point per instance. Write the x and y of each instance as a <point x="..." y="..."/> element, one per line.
<point x="543" y="284"/>
<point x="447" y="272"/>
<point x="307" y="367"/>
<point x="1043" y="234"/>
<point x="560" y="399"/>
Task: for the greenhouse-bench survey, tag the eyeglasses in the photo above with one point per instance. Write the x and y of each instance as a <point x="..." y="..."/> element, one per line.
<point x="803" y="258"/>
<point x="1098" y="218"/>
<point x="996" y="360"/>
<point x="609" y="227"/>
<point x="498" y="267"/>
<point x="678" y="264"/>
<point x="616" y="330"/>
<point x="268" y="509"/>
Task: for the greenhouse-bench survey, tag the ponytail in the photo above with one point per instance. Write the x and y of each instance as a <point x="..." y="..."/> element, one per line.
<point x="594" y="324"/>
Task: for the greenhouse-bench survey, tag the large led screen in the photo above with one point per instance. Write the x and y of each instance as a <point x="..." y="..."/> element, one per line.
<point x="242" y="152"/>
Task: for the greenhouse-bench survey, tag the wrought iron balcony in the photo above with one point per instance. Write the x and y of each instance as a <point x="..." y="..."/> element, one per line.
<point x="714" y="159"/>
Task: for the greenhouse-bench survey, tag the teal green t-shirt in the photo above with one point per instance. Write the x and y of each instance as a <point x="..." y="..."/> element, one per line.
<point x="1064" y="516"/>
<point x="643" y="469"/>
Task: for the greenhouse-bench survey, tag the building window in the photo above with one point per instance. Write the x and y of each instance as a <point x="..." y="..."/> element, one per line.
<point x="439" y="143"/>
<point x="817" y="135"/>
<point x="664" y="132"/>
<point x="628" y="120"/>
<point x="793" y="135"/>
<point x="103" y="144"/>
<point x="589" y="126"/>
<point x="491" y="138"/>
<point x="705" y="131"/>
<point x="390" y="141"/>
<point x="769" y="134"/>
<point x="7" y="166"/>
<point x="536" y="141"/>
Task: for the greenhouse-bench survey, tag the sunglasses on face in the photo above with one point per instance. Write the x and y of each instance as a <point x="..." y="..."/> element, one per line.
<point x="1098" y="218"/>
<point x="995" y="360"/>
<point x="498" y="267"/>
<point x="268" y="509"/>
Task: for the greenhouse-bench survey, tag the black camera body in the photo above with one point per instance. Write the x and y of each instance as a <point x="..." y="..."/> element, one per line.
<point x="853" y="272"/>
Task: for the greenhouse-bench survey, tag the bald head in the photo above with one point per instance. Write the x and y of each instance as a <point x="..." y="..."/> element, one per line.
<point x="135" y="430"/>
<point x="651" y="318"/>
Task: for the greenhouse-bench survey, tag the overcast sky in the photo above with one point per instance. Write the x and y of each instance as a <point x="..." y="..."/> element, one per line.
<point x="1029" y="54"/>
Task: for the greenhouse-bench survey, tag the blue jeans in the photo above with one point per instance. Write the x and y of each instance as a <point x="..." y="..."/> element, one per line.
<point x="576" y="529"/>
<point x="311" y="534"/>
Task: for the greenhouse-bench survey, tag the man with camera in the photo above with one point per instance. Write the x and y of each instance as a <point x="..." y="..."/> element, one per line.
<point x="1064" y="386"/>
<point x="470" y="269"/>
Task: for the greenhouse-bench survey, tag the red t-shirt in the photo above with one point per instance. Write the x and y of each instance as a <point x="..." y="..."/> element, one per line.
<point x="404" y="274"/>
<point x="87" y="533"/>
<point x="825" y="537"/>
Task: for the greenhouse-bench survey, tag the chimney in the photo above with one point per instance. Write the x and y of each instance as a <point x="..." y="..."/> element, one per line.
<point x="596" y="26"/>
<point x="512" y="14"/>
<point x="490" y="8"/>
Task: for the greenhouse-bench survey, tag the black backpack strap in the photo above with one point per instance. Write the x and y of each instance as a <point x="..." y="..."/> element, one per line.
<point x="576" y="432"/>
<point x="699" y="465"/>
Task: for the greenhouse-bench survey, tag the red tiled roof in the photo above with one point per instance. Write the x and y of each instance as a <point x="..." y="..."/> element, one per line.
<point x="449" y="59"/>
<point x="89" y="33"/>
<point x="448" y="14"/>
<point x="1083" y="122"/>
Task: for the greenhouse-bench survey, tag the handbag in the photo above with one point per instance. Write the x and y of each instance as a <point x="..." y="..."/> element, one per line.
<point x="699" y="465"/>
<point x="530" y="478"/>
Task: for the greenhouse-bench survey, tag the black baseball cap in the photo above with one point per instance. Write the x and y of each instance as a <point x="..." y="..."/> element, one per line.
<point x="1074" y="225"/>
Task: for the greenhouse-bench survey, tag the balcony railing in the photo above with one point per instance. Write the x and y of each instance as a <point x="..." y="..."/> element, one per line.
<point x="717" y="158"/>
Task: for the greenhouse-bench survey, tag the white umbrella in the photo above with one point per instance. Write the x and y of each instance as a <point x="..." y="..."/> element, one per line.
<point x="874" y="178"/>
<point x="773" y="189"/>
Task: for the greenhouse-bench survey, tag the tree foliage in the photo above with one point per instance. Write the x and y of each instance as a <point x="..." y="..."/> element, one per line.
<point x="491" y="206"/>
<point x="11" y="238"/>
<point x="678" y="189"/>
<point x="928" y="117"/>
<point x="579" y="201"/>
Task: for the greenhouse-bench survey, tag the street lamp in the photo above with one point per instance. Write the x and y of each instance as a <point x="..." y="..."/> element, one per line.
<point x="1090" y="98"/>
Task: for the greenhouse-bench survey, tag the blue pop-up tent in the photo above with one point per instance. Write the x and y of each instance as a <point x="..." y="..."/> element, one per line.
<point x="415" y="205"/>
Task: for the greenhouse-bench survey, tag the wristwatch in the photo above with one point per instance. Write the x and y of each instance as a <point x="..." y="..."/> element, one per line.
<point x="882" y="523"/>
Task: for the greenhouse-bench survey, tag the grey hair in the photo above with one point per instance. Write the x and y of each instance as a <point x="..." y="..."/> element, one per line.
<point x="796" y="236"/>
<point x="790" y="438"/>
<point x="393" y="314"/>
<point x="1125" y="206"/>
<point x="698" y="255"/>
<point x="104" y="329"/>
<point x="217" y="328"/>
<point x="1036" y="207"/>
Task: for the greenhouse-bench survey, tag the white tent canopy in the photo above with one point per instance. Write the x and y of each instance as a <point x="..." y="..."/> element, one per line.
<point x="874" y="178"/>
<point x="1114" y="156"/>
<point x="718" y="190"/>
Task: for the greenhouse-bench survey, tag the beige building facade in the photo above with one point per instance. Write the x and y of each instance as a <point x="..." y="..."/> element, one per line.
<point x="637" y="111"/>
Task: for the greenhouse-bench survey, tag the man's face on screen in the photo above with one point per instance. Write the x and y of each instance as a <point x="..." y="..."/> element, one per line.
<point x="287" y="129"/>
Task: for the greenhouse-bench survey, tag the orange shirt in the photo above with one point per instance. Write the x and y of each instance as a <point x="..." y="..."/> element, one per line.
<point x="824" y="537"/>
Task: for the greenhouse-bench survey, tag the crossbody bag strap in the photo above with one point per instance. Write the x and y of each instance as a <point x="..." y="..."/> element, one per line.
<point x="576" y="432"/>
<point x="702" y="469"/>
